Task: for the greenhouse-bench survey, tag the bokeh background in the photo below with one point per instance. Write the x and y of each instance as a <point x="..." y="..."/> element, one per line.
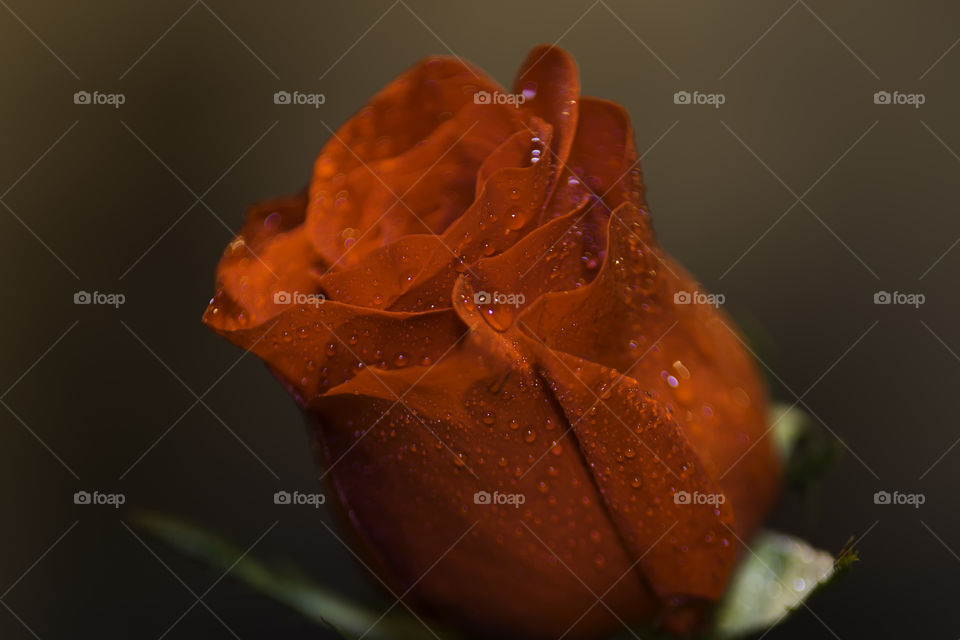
<point x="798" y="199"/>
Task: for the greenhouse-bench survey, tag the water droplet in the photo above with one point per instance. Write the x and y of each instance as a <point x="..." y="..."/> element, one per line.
<point x="272" y="221"/>
<point x="515" y="219"/>
<point x="406" y="279"/>
<point x="499" y="317"/>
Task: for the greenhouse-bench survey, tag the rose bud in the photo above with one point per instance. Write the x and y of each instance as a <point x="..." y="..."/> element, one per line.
<point x="535" y="422"/>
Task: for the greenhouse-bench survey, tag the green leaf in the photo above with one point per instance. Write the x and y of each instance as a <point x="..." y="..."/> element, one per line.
<point x="314" y="602"/>
<point x="778" y="575"/>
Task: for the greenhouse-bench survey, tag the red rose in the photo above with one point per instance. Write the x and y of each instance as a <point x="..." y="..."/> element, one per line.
<point x="521" y="401"/>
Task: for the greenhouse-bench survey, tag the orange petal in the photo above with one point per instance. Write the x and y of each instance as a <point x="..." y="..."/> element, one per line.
<point x="549" y="80"/>
<point x="271" y="253"/>
<point x="421" y="139"/>
<point x="507" y="209"/>
<point x="474" y="423"/>
<point x="640" y="459"/>
<point x="603" y="161"/>
<point x="385" y="274"/>
<point x="685" y="355"/>
<point x="549" y="258"/>
<point x="314" y="348"/>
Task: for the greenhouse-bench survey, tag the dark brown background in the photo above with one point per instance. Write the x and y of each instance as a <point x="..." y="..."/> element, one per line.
<point x="113" y="197"/>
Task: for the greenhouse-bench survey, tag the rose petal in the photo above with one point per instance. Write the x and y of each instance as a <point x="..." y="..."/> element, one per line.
<point x="550" y="258"/>
<point x="314" y="348"/>
<point x="271" y="253"/>
<point x="507" y="209"/>
<point x="385" y="274"/>
<point x="421" y="138"/>
<point x="684" y="354"/>
<point x="602" y="163"/>
<point x="640" y="459"/>
<point x="455" y="420"/>
<point x="549" y="80"/>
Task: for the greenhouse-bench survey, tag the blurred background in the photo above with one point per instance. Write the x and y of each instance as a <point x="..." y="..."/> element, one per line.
<point x="799" y="198"/>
